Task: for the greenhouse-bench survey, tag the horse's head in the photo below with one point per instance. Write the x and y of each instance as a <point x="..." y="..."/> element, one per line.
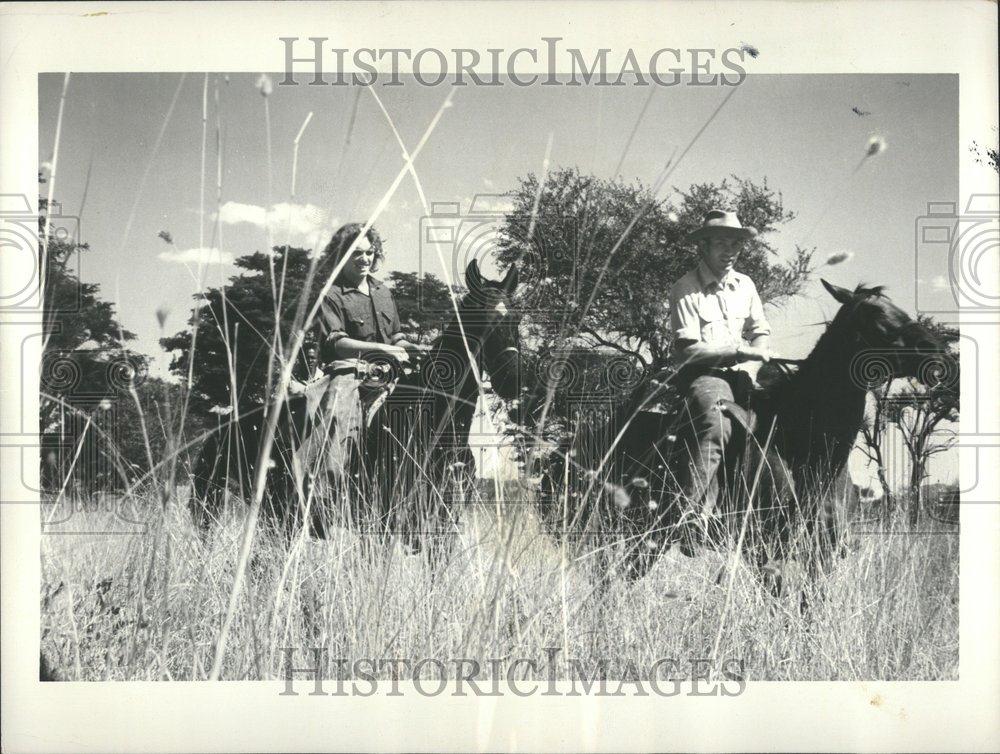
<point x="885" y="332"/>
<point x="489" y="320"/>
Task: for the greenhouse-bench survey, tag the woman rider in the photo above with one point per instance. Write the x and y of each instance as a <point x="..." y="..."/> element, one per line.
<point x="358" y="318"/>
<point x="358" y="323"/>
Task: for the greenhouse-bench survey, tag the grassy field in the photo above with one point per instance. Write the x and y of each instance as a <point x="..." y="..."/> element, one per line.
<point x="149" y="606"/>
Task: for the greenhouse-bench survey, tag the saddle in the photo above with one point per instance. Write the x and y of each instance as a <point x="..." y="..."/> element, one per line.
<point x="663" y="399"/>
<point x="658" y="411"/>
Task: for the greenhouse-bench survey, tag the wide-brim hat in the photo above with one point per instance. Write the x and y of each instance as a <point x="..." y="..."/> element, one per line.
<point x="719" y="222"/>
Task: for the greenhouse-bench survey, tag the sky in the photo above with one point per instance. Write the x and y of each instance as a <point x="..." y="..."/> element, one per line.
<point x="131" y="148"/>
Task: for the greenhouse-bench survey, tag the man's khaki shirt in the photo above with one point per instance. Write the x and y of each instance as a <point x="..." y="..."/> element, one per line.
<point x="716" y="312"/>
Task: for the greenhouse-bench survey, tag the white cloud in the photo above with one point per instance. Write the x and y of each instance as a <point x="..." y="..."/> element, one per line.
<point x="940" y="283"/>
<point x="208" y="255"/>
<point x="301" y="222"/>
<point x="233" y="213"/>
<point x="496" y="204"/>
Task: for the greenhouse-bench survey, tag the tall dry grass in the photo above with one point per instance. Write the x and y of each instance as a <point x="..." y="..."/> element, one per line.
<point x="149" y="606"/>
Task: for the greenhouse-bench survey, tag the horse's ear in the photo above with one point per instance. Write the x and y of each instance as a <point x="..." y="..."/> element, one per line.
<point x="473" y="278"/>
<point x="841" y="294"/>
<point x="510" y="280"/>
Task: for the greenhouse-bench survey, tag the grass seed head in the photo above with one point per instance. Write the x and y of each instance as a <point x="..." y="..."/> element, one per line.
<point x="618" y="494"/>
<point x="876" y="145"/>
<point x="839" y="258"/>
<point x="162" y="312"/>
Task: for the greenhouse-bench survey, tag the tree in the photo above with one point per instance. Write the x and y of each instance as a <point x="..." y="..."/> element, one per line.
<point x="86" y="368"/>
<point x="986" y="155"/>
<point x="873" y="434"/>
<point x="922" y="406"/>
<point x="917" y="409"/>
<point x="236" y="333"/>
<point x="236" y="343"/>
<point x="423" y="303"/>
<point x="600" y="255"/>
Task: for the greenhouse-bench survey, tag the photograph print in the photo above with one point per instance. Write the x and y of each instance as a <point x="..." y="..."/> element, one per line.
<point x="625" y="386"/>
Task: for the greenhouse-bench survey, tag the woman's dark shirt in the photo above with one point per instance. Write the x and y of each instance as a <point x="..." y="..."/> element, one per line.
<point x="346" y="312"/>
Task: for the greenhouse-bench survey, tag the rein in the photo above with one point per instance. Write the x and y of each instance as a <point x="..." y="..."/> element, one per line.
<point x="786" y="364"/>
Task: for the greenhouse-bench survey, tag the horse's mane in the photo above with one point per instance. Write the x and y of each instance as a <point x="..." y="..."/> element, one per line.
<point x="783" y="380"/>
<point x="863" y="289"/>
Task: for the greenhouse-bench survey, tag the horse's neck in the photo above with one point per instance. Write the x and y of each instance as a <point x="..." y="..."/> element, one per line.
<point x="823" y="407"/>
<point x="458" y="408"/>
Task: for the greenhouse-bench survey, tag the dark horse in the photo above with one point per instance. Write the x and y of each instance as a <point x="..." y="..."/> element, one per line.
<point x="412" y="439"/>
<point x="785" y="467"/>
<point x="417" y="451"/>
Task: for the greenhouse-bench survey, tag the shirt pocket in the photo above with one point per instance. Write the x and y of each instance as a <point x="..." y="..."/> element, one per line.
<point x="360" y="327"/>
<point x="738" y="302"/>
<point x="715" y="329"/>
<point x="710" y="310"/>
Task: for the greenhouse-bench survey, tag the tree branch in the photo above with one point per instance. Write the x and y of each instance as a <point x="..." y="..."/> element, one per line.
<point x="617" y="346"/>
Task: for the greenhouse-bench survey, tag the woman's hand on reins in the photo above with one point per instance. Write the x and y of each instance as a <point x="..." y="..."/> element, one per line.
<point x="398" y="352"/>
<point x="415" y="350"/>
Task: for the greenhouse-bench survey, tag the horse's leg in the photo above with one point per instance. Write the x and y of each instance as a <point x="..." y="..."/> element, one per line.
<point x="765" y="546"/>
<point x="198" y="500"/>
<point x="768" y="530"/>
<point x="446" y="512"/>
<point x="646" y="531"/>
<point x="208" y="492"/>
<point x="821" y="531"/>
<point x="388" y="470"/>
<point x="650" y="515"/>
<point x="288" y="490"/>
<point x="282" y="498"/>
<point x="830" y="520"/>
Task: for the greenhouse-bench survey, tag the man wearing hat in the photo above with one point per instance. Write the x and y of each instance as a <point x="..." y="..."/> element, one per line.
<point x="721" y="340"/>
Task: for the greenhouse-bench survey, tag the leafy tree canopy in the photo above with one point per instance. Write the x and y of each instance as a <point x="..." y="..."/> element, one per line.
<point x="236" y="345"/>
<point x="87" y="370"/>
<point x="599" y="256"/>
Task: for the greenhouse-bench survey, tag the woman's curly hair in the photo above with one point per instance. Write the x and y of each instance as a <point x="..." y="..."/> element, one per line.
<point x="344" y="237"/>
